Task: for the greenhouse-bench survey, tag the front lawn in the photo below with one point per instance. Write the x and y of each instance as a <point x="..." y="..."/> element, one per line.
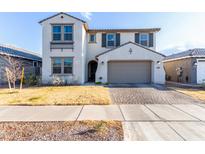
<point x="64" y="95"/>
<point x="196" y="93"/>
<point x="61" y="131"/>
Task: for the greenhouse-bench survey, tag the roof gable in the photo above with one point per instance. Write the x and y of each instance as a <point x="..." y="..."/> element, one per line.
<point x="126" y="44"/>
<point x="61" y="13"/>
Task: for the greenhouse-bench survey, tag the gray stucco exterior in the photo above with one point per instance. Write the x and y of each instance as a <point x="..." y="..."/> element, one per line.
<point x="188" y="66"/>
<point x="29" y="68"/>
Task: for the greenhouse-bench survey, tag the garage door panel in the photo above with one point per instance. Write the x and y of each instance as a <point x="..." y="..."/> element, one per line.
<point x="129" y="72"/>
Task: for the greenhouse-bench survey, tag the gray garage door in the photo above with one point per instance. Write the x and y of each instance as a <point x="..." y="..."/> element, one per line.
<point x="129" y="72"/>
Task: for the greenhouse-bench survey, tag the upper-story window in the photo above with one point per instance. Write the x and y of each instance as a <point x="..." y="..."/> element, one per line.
<point x="62" y="32"/>
<point x="92" y="38"/>
<point x="56" y="33"/>
<point x="144" y="39"/>
<point x="110" y="40"/>
<point x="68" y="33"/>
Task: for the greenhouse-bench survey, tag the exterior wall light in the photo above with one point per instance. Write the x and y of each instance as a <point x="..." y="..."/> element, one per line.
<point x="102" y="62"/>
<point x="101" y="78"/>
<point x="158" y="62"/>
<point x="195" y="63"/>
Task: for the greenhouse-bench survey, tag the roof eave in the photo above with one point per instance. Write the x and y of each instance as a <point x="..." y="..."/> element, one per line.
<point x="125" y="30"/>
<point x="184" y="57"/>
<point x="126" y="44"/>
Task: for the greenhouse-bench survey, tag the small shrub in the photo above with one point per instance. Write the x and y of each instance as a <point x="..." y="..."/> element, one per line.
<point x="33" y="80"/>
<point x="57" y="81"/>
<point x="106" y="83"/>
<point x="98" y="82"/>
<point x="203" y="83"/>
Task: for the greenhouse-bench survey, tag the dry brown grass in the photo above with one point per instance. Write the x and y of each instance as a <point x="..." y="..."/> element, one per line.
<point x="65" y="95"/>
<point x="196" y="93"/>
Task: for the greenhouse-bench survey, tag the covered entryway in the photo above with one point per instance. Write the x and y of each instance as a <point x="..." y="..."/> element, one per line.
<point x="92" y="67"/>
<point x="129" y="71"/>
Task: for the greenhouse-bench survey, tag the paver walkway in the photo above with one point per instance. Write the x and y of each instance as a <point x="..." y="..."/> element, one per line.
<point x="149" y="94"/>
<point x="140" y="122"/>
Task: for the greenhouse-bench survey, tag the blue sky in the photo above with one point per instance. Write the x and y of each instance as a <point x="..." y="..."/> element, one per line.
<point x="179" y="31"/>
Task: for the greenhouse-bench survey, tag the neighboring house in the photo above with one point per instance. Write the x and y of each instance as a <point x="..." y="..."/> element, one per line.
<point x="31" y="61"/>
<point x="77" y="54"/>
<point x="186" y="67"/>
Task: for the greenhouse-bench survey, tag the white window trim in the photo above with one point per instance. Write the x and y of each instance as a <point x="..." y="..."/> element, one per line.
<point x="62" y="32"/>
<point x="94" y="38"/>
<point x="144" y="39"/>
<point x="56" y="32"/>
<point x="107" y="40"/>
<point x="62" y="66"/>
<point x="67" y="32"/>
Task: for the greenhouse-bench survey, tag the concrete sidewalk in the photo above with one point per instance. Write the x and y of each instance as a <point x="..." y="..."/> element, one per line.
<point x="140" y="122"/>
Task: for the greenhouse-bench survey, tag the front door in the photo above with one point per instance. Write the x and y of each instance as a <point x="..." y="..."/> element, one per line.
<point x="92" y="67"/>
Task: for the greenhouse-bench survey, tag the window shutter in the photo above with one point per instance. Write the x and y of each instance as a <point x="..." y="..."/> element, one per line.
<point x="103" y="40"/>
<point x="117" y="39"/>
<point x="151" y="40"/>
<point x="137" y="38"/>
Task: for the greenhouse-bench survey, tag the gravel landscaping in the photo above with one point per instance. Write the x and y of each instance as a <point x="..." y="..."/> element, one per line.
<point x="61" y="131"/>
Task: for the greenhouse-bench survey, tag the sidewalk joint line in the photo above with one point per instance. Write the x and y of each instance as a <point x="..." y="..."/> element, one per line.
<point x="186" y="112"/>
<point x="154" y="112"/>
<point x="121" y="112"/>
<point x="80" y="113"/>
<point x="175" y="131"/>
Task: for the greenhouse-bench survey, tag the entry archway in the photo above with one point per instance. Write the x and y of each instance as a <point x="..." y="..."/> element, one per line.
<point x="92" y="67"/>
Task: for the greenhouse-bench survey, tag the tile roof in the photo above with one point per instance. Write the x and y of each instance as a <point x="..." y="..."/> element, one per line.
<point x="197" y="52"/>
<point x="16" y="52"/>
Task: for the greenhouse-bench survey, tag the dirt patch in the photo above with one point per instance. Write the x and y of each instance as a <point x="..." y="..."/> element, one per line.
<point x="61" y="131"/>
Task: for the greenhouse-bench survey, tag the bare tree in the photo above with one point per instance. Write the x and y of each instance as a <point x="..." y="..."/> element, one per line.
<point x="13" y="70"/>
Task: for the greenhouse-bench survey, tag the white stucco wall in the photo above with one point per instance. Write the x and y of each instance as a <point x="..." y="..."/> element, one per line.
<point x="96" y="48"/>
<point x="138" y="53"/>
<point x="82" y="53"/>
<point x="78" y="53"/>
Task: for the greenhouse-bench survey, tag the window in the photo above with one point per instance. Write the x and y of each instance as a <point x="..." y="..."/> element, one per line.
<point x="68" y="65"/>
<point x="68" y="33"/>
<point x="62" y="65"/>
<point x="144" y="39"/>
<point x="92" y="38"/>
<point x="56" y="65"/>
<point x="56" y="33"/>
<point x="110" y="40"/>
<point x="35" y="63"/>
<point x="62" y="32"/>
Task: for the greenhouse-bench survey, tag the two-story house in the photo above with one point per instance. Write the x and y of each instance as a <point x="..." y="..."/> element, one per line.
<point x="77" y="54"/>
